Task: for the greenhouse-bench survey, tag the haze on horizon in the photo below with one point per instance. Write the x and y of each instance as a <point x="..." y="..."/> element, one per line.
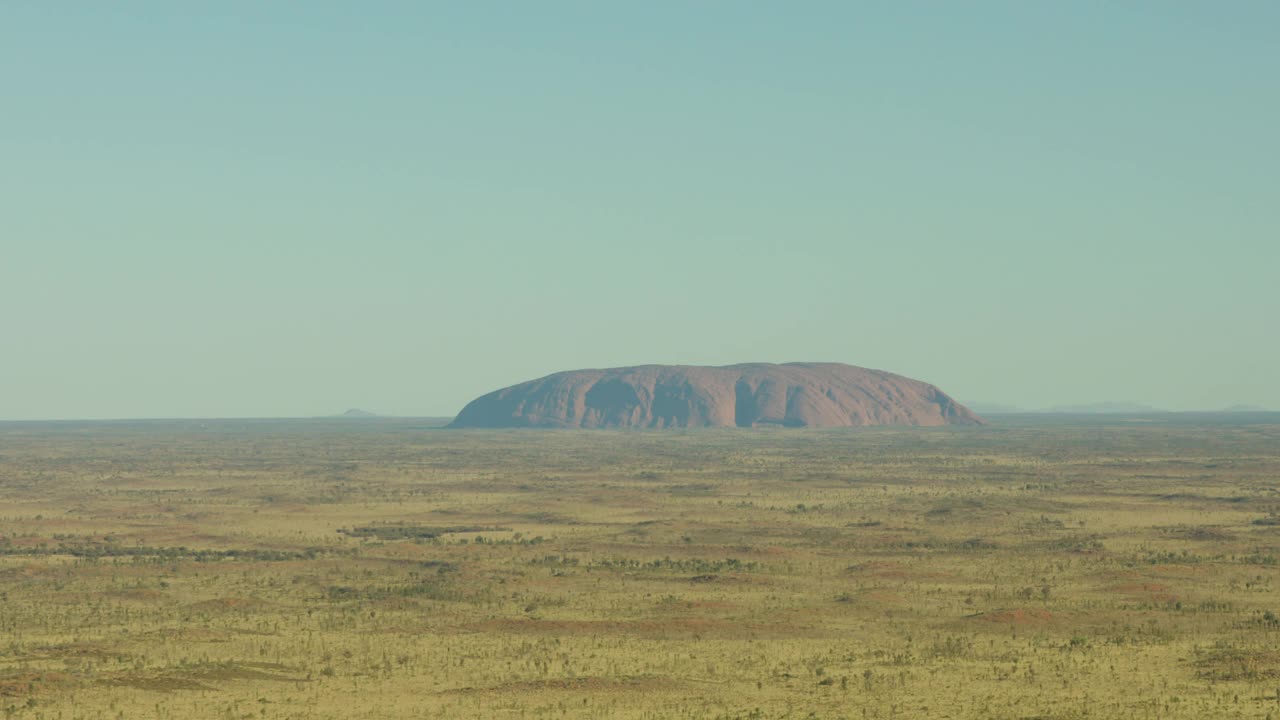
<point x="250" y="209"/>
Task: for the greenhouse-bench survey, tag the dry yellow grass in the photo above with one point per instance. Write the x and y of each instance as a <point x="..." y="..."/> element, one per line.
<point x="386" y="569"/>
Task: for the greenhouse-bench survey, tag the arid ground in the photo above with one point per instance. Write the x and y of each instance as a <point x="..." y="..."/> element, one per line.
<point x="1033" y="568"/>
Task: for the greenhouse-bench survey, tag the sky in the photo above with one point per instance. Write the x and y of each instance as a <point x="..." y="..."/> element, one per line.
<point x="247" y="209"/>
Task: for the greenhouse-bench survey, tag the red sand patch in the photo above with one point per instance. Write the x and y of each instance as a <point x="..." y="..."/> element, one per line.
<point x="1155" y="592"/>
<point x="32" y="683"/>
<point x="887" y="597"/>
<point x="76" y="650"/>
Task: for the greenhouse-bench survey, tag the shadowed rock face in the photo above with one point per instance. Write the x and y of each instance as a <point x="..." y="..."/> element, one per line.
<point x="748" y="395"/>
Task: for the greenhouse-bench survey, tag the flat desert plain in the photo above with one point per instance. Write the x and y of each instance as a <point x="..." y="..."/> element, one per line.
<point x="1037" y="567"/>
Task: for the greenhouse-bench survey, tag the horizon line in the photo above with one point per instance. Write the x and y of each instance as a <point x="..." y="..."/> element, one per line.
<point x="376" y="416"/>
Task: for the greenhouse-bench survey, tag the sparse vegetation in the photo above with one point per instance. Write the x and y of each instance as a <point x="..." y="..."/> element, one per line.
<point x="320" y="570"/>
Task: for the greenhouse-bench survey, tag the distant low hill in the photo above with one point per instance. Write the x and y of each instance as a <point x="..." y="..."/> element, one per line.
<point x="747" y="395"/>
<point x="357" y="413"/>
<point x="1102" y="408"/>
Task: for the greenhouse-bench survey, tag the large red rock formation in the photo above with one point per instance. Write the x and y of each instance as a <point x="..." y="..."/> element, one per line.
<point x="658" y="396"/>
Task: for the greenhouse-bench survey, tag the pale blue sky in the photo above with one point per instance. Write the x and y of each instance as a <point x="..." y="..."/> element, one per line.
<point x="283" y="209"/>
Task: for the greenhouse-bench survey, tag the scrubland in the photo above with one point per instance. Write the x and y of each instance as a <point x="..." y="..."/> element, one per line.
<point x="387" y="568"/>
